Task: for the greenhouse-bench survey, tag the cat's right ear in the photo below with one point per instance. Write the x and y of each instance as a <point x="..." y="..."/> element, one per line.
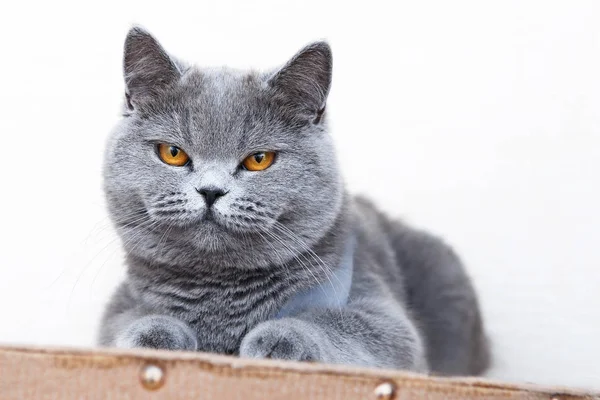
<point x="147" y="68"/>
<point x="305" y="80"/>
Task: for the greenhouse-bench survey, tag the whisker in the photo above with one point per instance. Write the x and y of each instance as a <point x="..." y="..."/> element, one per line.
<point x="85" y="268"/>
<point x="102" y="225"/>
<point x="328" y="271"/>
<point x="283" y="229"/>
<point x="296" y="257"/>
<point x="138" y="237"/>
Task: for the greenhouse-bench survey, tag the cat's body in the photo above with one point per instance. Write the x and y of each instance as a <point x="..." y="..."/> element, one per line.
<point x="219" y="275"/>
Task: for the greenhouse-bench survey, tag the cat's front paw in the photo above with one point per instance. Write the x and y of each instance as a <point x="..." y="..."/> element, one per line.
<point x="158" y="332"/>
<point x="285" y="339"/>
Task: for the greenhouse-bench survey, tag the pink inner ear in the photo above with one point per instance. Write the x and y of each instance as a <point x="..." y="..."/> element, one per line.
<point x="128" y="101"/>
<point x="319" y="116"/>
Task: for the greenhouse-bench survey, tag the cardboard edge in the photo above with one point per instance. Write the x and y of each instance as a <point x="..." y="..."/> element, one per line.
<point x="108" y="357"/>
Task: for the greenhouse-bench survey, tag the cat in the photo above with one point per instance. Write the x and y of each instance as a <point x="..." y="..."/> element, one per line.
<point x="241" y="238"/>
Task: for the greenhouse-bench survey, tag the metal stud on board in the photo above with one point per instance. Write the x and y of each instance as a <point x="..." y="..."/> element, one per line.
<point x="152" y="377"/>
<point x="385" y="391"/>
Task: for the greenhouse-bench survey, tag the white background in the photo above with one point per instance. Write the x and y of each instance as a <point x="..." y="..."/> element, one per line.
<point x="477" y="120"/>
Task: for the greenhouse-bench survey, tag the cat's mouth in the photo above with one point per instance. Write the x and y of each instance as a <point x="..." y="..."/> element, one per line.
<point x="213" y="219"/>
<point x="209" y="216"/>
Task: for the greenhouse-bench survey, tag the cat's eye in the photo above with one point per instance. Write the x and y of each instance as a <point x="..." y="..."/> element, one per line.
<point x="259" y="161"/>
<point x="172" y="155"/>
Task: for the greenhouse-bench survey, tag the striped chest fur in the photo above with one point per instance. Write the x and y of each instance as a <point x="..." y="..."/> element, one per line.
<point x="220" y="307"/>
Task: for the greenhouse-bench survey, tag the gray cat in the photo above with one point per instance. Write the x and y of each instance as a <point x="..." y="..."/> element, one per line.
<point x="241" y="239"/>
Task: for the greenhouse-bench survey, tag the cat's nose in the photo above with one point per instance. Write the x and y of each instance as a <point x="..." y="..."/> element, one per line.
<point x="211" y="194"/>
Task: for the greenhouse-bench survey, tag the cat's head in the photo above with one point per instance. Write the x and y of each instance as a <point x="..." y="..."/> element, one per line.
<point x="220" y="160"/>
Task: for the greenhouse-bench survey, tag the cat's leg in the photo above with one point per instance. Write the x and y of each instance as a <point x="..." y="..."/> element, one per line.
<point x="157" y="332"/>
<point x="370" y="332"/>
<point x="127" y="325"/>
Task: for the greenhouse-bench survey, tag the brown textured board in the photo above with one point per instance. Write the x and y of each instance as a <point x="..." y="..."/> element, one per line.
<point x="33" y="373"/>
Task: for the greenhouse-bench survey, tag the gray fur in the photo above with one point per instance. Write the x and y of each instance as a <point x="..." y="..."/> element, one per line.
<point x="215" y="282"/>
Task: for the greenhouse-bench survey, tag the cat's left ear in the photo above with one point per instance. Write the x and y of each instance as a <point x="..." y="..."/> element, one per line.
<point x="305" y="80"/>
<point x="147" y="67"/>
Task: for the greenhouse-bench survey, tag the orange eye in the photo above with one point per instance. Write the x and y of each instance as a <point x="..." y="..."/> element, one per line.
<point x="259" y="161"/>
<point x="172" y="155"/>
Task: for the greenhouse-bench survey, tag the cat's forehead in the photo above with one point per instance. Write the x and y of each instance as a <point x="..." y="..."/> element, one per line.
<point x="220" y="109"/>
<point x="220" y="84"/>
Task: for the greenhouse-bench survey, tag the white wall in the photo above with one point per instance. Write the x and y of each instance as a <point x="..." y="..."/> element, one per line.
<point x="478" y="120"/>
